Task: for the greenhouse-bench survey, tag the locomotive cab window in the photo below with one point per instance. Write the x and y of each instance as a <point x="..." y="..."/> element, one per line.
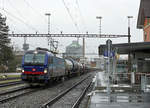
<point x="36" y="59"/>
<point x="28" y="58"/>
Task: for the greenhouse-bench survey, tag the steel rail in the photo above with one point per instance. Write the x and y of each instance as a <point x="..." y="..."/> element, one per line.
<point x="19" y="95"/>
<point x="55" y="99"/>
<point x="77" y="103"/>
<point x="11" y="83"/>
<point x="15" y="96"/>
<point x="15" y="90"/>
<point x="13" y="78"/>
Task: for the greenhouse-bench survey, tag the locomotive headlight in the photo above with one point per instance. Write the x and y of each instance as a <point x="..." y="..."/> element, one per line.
<point x="22" y="70"/>
<point x="45" y="70"/>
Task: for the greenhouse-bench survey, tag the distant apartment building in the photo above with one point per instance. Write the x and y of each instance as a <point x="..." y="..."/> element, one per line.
<point x="144" y="19"/>
<point x="74" y="50"/>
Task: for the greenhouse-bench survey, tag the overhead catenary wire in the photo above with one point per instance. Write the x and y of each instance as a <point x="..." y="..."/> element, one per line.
<point x="17" y="11"/>
<point x="28" y="4"/>
<point x="38" y="13"/>
<point x="83" y="21"/>
<point x="13" y="25"/>
<point x="29" y="26"/>
<point x="13" y="22"/>
<point x="68" y="10"/>
<point x="35" y="11"/>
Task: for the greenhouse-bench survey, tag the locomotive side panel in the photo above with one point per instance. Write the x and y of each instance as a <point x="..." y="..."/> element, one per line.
<point x="58" y="67"/>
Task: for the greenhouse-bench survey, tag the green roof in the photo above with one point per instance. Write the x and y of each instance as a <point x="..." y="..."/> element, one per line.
<point x="74" y="44"/>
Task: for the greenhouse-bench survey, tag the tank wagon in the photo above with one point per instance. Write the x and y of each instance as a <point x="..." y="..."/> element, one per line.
<point x="42" y="66"/>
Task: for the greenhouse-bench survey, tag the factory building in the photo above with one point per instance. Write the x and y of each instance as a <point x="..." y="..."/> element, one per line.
<point x="74" y="50"/>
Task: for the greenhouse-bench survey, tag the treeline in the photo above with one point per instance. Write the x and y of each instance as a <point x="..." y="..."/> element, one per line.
<point x="7" y="57"/>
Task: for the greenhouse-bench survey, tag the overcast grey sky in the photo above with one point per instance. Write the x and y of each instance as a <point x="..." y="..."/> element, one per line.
<point x="84" y="12"/>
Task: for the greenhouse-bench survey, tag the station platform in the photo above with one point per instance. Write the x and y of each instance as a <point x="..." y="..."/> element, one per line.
<point x="121" y="96"/>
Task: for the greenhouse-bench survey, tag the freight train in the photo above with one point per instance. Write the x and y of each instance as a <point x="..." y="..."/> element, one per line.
<point x="42" y="66"/>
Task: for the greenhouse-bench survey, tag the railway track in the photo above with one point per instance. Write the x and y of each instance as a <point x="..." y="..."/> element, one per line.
<point x="11" y="83"/>
<point x="78" y="101"/>
<point x="14" y="78"/>
<point x="6" y="96"/>
<point x="55" y="100"/>
<point x="16" y="89"/>
<point x="36" y="99"/>
<point x="20" y="91"/>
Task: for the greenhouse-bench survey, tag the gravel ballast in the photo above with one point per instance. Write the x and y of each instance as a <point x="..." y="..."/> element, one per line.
<point x="36" y="99"/>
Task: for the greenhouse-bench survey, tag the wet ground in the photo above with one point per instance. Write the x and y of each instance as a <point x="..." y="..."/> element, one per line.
<point x="120" y="99"/>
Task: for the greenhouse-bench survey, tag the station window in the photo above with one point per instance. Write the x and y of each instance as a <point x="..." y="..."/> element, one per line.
<point x="148" y="21"/>
<point x="145" y="35"/>
<point x="149" y="34"/>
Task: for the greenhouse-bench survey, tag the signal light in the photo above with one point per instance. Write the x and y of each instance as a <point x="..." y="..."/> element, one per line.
<point x="33" y="69"/>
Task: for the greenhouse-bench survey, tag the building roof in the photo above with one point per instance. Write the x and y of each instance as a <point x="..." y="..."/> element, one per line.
<point x="74" y="44"/>
<point x="125" y="48"/>
<point x="144" y="12"/>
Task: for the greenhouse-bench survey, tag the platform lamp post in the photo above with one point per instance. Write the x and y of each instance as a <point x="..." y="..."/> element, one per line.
<point x="48" y="14"/>
<point x="129" y="36"/>
<point x="100" y="18"/>
<point x="49" y="39"/>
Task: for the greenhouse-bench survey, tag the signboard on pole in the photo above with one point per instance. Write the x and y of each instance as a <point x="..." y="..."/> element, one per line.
<point x="109" y="52"/>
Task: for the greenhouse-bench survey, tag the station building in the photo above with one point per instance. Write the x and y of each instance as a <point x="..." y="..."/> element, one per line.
<point x="144" y="19"/>
<point x="139" y="51"/>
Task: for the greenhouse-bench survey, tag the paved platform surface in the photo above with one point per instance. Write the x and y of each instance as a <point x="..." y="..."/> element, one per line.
<point x="120" y="100"/>
<point x="121" y="105"/>
<point x="100" y="98"/>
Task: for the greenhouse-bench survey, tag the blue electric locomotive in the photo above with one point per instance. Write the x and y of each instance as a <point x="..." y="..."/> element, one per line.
<point x="42" y="66"/>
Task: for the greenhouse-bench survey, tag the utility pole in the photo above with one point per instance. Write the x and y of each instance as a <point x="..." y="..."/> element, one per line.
<point x="49" y="38"/>
<point x="25" y="40"/>
<point x="129" y="35"/>
<point x="100" y="18"/>
<point x="53" y="44"/>
<point x="48" y="14"/>
<point x="129" y="40"/>
<point x="25" y="45"/>
<point x="109" y="54"/>
<point x="83" y="50"/>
